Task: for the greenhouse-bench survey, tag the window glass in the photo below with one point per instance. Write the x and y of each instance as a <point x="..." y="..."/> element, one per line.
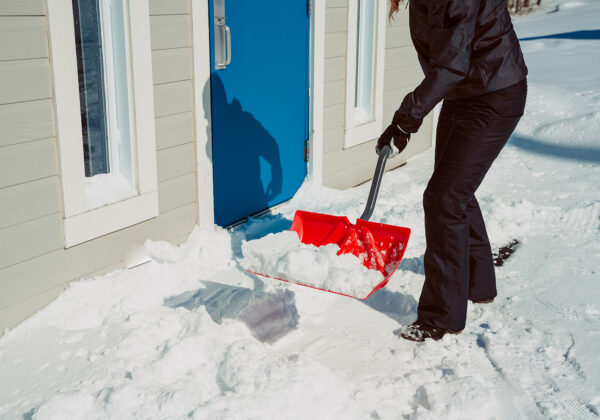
<point x="365" y="61"/>
<point x="104" y="88"/>
<point x="114" y="37"/>
<point x="91" y="86"/>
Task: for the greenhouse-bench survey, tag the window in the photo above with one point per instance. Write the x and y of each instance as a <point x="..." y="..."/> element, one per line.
<point x="364" y="72"/>
<point x="105" y="115"/>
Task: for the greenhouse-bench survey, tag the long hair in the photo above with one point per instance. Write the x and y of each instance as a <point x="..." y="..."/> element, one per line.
<point x="394" y="4"/>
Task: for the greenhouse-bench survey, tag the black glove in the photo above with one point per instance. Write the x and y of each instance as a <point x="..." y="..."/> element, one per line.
<point x="394" y="137"/>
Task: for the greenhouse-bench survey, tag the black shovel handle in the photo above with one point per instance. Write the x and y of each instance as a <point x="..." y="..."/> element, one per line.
<point x="376" y="182"/>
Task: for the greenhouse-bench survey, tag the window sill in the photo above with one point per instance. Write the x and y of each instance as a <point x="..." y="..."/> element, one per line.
<point x="362" y="133"/>
<point x="110" y="218"/>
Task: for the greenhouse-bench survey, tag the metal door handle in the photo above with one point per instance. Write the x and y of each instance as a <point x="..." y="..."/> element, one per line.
<point x="228" y="36"/>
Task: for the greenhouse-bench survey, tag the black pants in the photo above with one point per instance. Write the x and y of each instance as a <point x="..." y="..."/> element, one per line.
<point x="471" y="132"/>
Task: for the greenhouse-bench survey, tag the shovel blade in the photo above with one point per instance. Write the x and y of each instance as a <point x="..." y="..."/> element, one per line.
<point x="379" y="246"/>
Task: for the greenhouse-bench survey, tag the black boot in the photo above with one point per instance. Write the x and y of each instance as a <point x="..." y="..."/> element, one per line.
<point x="418" y="331"/>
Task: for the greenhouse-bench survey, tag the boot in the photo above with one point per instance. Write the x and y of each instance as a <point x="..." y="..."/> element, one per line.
<point x="486" y="300"/>
<point x="418" y="331"/>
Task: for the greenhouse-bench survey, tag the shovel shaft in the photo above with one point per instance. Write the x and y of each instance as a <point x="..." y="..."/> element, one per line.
<point x="376" y="182"/>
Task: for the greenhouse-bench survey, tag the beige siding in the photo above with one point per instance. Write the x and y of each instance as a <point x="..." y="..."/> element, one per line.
<point x="22" y="7"/>
<point x="26" y="121"/>
<point x="172" y="65"/>
<point x="22" y="37"/>
<point x="344" y="168"/>
<point x="21" y="203"/>
<point x="24" y="80"/>
<point x="34" y="265"/>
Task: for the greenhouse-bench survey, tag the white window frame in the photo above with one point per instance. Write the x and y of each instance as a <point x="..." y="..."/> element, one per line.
<point x="80" y="223"/>
<point x="356" y="131"/>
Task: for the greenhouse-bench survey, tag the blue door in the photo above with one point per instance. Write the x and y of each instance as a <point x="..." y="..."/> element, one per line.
<point x="259" y="95"/>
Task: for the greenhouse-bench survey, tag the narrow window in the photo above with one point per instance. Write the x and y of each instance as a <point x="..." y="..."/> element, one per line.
<point x="365" y="61"/>
<point x="104" y="115"/>
<point x="91" y="86"/>
<point x="104" y="90"/>
<point x="364" y="71"/>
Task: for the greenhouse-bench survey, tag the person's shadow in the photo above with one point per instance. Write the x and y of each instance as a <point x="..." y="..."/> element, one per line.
<point x="247" y="172"/>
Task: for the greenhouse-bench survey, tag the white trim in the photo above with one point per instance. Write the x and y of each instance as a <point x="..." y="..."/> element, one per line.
<point x="317" y="89"/>
<point x="81" y="224"/>
<point x="66" y="97"/>
<point x="103" y="220"/>
<point x="202" y="115"/>
<point x="357" y="133"/>
<point x="143" y="96"/>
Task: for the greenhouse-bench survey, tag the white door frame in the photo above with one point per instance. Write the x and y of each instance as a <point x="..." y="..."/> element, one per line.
<point x="316" y="91"/>
<point x="202" y="114"/>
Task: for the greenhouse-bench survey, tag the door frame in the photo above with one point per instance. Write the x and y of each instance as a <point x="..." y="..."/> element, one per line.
<point x="202" y="114"/>
<point x="316" y="89"/>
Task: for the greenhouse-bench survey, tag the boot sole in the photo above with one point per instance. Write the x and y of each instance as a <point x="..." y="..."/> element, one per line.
<point x="416" y="340"/>
<point x="483" y="301"/>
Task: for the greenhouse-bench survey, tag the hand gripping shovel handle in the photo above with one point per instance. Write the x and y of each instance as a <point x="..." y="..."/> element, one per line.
<point x="376" y="182"/>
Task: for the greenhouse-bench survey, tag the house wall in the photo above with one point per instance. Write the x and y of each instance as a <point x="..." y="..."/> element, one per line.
<point x="343" y="168"/>
<point x="34" y="265"/>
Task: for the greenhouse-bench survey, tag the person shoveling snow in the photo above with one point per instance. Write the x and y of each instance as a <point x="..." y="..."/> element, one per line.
<point x="472" y="61"/>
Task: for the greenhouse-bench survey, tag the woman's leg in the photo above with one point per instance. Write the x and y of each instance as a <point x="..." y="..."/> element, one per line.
<point x="480" y="128"/>
<point x="482" y="278"/>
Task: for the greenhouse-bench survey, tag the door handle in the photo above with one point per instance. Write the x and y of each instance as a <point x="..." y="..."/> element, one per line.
<point x="228" y="37"/>
<point x="222" y="44"/>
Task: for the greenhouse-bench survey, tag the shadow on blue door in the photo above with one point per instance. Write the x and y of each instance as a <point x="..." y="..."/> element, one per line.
<point x="252" y="175"/>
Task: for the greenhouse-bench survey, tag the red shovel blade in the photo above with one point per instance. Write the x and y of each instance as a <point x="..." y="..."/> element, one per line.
<point x="379" y="246"/>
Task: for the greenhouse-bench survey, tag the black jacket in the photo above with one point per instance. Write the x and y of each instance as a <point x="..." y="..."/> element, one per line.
<point x="465" y="48"/>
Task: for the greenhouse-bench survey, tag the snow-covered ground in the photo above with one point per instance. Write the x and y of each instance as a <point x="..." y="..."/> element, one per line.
<point x="192" y="335"/>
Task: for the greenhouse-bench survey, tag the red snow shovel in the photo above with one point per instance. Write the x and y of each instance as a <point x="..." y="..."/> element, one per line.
<point x="379" y="246"/>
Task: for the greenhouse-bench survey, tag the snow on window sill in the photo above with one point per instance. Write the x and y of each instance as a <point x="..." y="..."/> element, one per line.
<point x="104" y="189"/>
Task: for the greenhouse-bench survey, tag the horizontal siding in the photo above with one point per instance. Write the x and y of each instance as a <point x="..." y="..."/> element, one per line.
<point x="335" y="93"/>
<point x="173" y="98"/>
<point x="335" y="45"/>
<point x="172" y="65"/>
<point x="38" y="275"/>
<point x="26" y="121"/>
<point x="176" y="192"/>
<point x="176" y="161"/>
<point x="397" y="36"/>
<point x="333" y="116"/>
<point x="400" y="57"/>
<point x="24" y="80"/>
<point x="170" y="31"/>
<point x="169" y="7"/>
<point x="27" y="162"/>
<point x="174" y="130"/>
<point x="22" y="37"/>
<point x="22" y="7"/>
<point x="335" y="20"/>
<point x="401" y="77"/>
<point x="335" y="139"/>
<point x="24" y="202"/>
<point x="30" y="239"/>
<point x="335" y="3"/>
<point x="335" y="69"/>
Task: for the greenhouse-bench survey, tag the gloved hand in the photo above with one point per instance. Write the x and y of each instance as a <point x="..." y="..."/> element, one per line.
<point x="394" y="137"/>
